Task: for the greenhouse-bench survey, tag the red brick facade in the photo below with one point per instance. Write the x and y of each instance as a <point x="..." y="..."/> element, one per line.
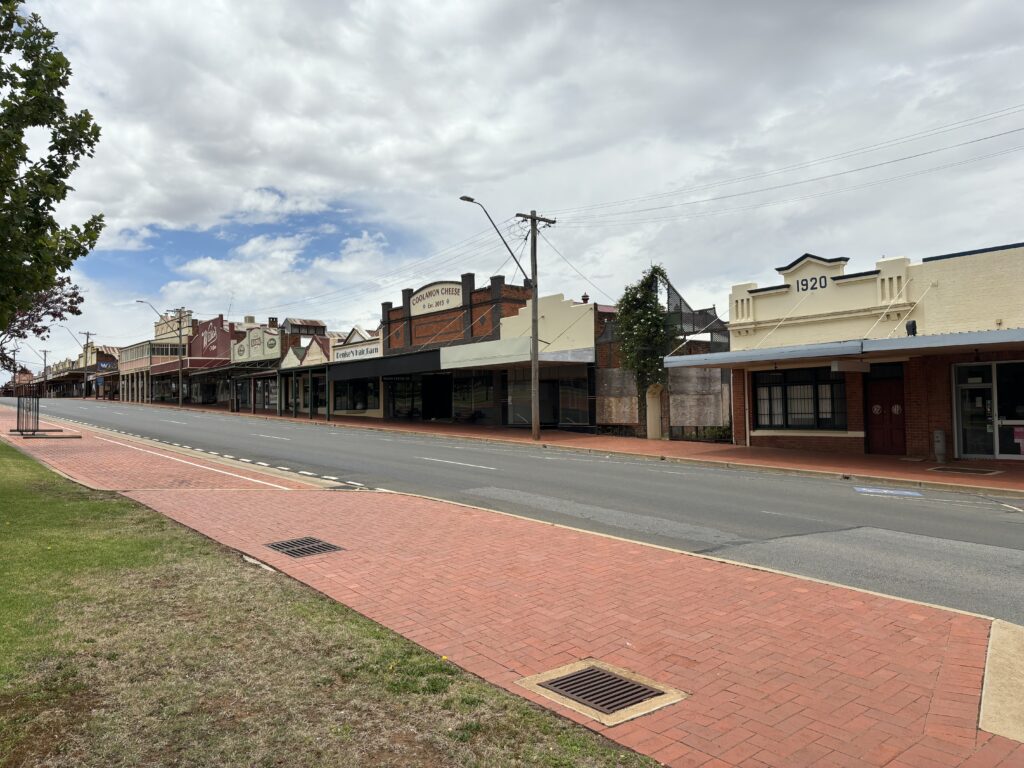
<point x="477" y="319"/>
<point x="928" y="405"/>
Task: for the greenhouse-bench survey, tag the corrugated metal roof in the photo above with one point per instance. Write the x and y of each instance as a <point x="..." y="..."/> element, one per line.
<point x="940" y="342"/>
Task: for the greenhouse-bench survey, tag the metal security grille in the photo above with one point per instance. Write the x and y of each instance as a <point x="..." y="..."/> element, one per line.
<point x="601" y="690"/>
<point x="304" y="547"/>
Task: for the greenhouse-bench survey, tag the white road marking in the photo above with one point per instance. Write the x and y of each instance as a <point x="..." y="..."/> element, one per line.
<point x="328" y="477"/>
<point x="272" y="437"/>
<point x="263" y="463"/>
<point x="309" y="474"/>
<point x="117" y="412"/>
<point x="247" y="461"/>
<point x="358" y="485"/>
<point x="193" y="464"/>
<point x="214" y="453"/>
<point x="62" y="426"/>
<point x="227" y="456"/>
<point x="177" y="444"/>
<point x="460" y="463"/>
<point x="172" y="421"/>
<point x="286" y="469"/>
<point x="1015" y="509"/>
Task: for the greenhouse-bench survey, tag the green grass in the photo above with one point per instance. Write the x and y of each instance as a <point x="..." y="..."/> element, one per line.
<point x="127" y="640"/>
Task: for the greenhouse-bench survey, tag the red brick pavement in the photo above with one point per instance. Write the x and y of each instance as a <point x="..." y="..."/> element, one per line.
<point x="111" y="462"/>
<point x="781" y="671"/>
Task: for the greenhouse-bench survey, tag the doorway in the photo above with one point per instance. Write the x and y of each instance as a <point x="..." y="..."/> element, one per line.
<point x="437" y="396"/>
<point x="884" y="417"/>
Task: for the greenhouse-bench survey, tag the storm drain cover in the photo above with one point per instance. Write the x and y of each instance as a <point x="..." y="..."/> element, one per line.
<point x="601" y="690"/>
<point x="304" y="547"/>
<point x="966" y="470"/>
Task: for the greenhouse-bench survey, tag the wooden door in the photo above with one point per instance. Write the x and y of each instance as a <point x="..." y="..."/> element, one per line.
<point x="884" y="417"/>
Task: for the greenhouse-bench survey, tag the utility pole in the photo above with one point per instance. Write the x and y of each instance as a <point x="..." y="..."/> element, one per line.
<point x="180" y="312"/>
<point x="535" y="320"/>
<point x="45" y="372"/>
<point x="85" y="371"/>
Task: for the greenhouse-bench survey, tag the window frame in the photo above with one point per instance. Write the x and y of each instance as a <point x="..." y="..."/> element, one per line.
<point x="785" y="391"/>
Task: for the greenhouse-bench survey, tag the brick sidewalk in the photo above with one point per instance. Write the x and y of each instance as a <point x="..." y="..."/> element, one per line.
<point x="780" y="671"/>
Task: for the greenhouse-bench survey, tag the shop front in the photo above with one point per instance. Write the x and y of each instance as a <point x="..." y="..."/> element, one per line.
<point x="933" y="369"/>
<point x="989" y="405"/>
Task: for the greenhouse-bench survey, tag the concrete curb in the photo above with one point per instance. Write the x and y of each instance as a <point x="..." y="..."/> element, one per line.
<point x="1002" y="696"/>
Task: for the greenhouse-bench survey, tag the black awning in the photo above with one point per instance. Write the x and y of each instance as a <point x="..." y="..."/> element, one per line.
<point x="395" y="365"/>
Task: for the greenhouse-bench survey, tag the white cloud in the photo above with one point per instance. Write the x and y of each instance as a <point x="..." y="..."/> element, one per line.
<point x="251" y="113"/>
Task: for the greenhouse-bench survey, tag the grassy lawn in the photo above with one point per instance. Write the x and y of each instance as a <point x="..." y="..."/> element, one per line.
<point x="126" y="640"/>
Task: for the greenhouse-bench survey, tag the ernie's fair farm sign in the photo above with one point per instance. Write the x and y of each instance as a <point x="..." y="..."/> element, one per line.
<point x="435" y="297"/>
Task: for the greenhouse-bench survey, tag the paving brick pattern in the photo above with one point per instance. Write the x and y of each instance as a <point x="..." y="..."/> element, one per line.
<point x="781" y="671"/>
<point x="115" y="463"/>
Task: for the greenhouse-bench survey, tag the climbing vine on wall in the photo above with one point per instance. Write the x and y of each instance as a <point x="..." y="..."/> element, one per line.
<point x="640" y="326"/>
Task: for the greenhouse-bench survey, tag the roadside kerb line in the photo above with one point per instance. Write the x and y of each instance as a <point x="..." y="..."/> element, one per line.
<point x="193" y="464"/>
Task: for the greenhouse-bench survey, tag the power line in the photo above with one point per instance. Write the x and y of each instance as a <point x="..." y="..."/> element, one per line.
<point x="800" y="182"/>
<point x="573" y="266"/>
<point x="770" y="203"/>
<point x="958" y="125"/>
<point x="461" y="248"/>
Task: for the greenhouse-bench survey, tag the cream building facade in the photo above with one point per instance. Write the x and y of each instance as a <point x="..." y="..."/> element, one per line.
<point x="923" y="359"/>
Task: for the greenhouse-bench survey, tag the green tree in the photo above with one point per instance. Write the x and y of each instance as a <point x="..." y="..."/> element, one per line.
<point x="34" y="248"/>
<point x="640" y="328"/>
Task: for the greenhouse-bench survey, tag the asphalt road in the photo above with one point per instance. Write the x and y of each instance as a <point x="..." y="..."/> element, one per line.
<point x="955" y="549"/>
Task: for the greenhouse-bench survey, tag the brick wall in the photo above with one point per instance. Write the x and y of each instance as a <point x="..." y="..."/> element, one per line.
<point x="739" y="418"/>
<point x="478" y="319"/>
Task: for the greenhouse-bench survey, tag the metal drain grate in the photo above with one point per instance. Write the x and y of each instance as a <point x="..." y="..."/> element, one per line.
<point x="304" y="547"/>
<point x="601" y="690"/>
<point x="966" y="471"/>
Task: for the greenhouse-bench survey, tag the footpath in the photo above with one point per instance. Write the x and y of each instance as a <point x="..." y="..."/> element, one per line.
<point x="985" y="476"/>
<point x="774" y="670"/>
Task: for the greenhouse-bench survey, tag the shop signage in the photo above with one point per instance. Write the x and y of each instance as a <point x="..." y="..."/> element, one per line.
<point x="435" y="298"/>
<point x="258" y="344"/>
<point x="357" y="351"/>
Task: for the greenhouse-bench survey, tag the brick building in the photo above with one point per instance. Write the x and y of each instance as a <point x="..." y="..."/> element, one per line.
<point x="921" y="359"/>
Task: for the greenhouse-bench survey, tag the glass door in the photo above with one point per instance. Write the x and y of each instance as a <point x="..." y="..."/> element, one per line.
<point x="977" y="433"/>
<point x="1010" y="410"/>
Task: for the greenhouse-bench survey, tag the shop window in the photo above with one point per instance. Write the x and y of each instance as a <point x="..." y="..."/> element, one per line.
<point x="357" y="395"/>
<point x="802" y="398"/>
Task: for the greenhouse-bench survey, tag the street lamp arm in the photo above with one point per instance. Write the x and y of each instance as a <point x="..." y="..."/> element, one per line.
<point x="468" y="199"/>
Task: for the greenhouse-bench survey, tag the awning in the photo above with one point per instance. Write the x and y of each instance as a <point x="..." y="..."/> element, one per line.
<point x="395" y="365"/>
<point x="862" y="349"/>
<point x="189" y="365"/>
<point x="504" y="352"/>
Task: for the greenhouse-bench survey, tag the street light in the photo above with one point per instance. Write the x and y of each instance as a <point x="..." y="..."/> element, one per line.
<point x="468" y="199"/>
<point x="534" y="333"/>
<point x="178" y="313"/>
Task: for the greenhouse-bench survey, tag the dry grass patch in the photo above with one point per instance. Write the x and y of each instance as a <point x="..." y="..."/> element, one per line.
<point x="129" y="641"/>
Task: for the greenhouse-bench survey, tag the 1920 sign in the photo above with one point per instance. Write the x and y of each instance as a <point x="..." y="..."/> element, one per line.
<point x="812" y="283"/>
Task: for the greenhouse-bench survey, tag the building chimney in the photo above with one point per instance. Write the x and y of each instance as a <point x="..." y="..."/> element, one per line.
<point x="272" y="322"/>
<point x="250" y="319"/>
<point x="586" y="299"/>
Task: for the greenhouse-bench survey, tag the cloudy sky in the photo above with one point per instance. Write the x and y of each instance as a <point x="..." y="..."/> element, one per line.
<point x="306" y="158"/>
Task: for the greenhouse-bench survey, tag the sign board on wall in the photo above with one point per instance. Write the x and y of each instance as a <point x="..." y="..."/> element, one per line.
<point x="435" y="298"/>
<point x="258" y="344"/>
<point x="357" y="351"/>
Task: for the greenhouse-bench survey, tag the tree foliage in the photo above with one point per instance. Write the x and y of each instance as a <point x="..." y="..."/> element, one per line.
<point x="34" y="248"/>
<point x="53" y="305"/>
<point x="640" y="328"/>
